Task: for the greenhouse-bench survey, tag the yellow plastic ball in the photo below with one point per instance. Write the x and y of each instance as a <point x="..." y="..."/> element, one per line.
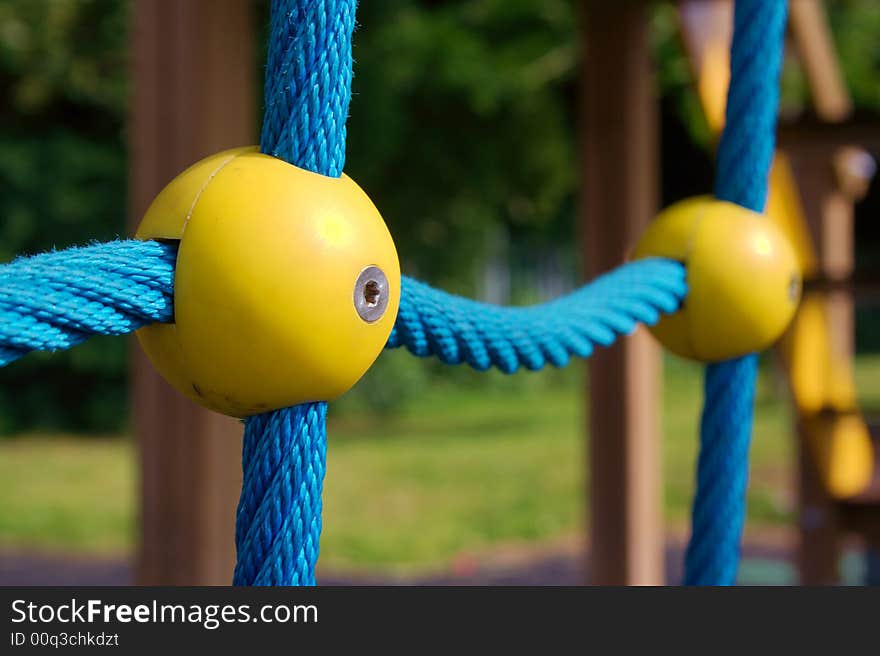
<point x="286" y="287"/>
<point x="743" y="279"/>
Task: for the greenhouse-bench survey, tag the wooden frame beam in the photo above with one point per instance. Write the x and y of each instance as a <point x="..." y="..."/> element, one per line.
<point x="818" y="57"/>
<point x="619" y="198"/>
<point x="193" y="94"/>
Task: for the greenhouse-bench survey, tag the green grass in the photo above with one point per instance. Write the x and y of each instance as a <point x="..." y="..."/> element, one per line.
<point x="468" y="470"/>
<point x="66" y="493"/>
<point x="461" y="467"/>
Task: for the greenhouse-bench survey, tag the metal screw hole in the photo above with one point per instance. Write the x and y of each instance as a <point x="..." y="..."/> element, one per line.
<point x="372" y="293"/>
<point x="794" y="288"/>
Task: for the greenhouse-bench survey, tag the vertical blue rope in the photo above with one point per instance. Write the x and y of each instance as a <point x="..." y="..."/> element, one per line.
<point x="308" y="83"/>
<point x="308" y="89"/>
<point x="278" y="524"/>
<point x="744" y="158"/>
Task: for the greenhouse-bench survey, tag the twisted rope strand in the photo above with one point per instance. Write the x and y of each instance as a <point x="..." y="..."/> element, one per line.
<point x="58" y="299"/>
<point x="744" y="157"/>
<point x="308" y="90"/>
<point x="459" y="330"/>
<point x="308" y="83"/>
<point x="279" y="515"/>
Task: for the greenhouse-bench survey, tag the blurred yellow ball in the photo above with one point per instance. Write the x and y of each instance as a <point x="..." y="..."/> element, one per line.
<point x="743" y="279"/>
<point x="286" y="287"/>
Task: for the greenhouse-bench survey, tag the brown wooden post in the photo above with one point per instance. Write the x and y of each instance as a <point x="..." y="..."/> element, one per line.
<point x="829" y="214"/>
<point x="193" y="94"/>
<point x="819" y="523"/>
<point x="815" y="45"/>
<point x="619" y="150"/>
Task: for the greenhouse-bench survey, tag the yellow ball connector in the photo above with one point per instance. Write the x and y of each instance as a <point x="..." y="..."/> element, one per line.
<point x="743" y="279"/>
<point x="286" y="288"/>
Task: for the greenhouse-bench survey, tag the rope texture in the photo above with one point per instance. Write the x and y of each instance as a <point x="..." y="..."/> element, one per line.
<point x="456" y="329"/>
<point x="308" y="90"/>
<point x="57" y="300"/>
<point x="745" y="154"/>
<point x="278" y="523"/>
<point x="308" y="83"/>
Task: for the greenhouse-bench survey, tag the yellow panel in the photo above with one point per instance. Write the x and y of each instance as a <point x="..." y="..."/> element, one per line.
<point x="806" y="351"/>
<point x="842" y="449"/>
<point x="785" y="209"/>
<point x="820" y="379"/>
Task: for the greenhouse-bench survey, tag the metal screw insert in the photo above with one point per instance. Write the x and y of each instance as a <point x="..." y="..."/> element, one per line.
<point x="794" y="288"/>
<point x="371" y="294"/>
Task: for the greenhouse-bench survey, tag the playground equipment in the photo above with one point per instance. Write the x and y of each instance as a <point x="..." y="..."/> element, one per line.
<point x="820" y="378"/>
<point x="734" y="259"/>
<point x="56" y="300"/>
<point x="239" y="305"/>
<point x="838" y="467"/>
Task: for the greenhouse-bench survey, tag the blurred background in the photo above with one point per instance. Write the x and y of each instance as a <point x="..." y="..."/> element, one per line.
<point x="463" y="130"/>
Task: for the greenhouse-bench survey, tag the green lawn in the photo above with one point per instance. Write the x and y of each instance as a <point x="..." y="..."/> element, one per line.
<point x="463" y="471"/>
<point x="460" y="468"/>
<point x="65" y="493"/>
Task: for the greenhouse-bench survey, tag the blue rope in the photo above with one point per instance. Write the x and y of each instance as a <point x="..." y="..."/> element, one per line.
<point x="456" y="329"/>
<point x="57" y="300"/>
<point x="278" y="523"/>
<point x="744" y="158"/>
<point x="308" y="89"/>
<point x="308" y="83"/>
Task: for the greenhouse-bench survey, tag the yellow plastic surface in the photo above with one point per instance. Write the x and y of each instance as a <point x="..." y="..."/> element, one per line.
<point x="784" y="208"/>
<point x="841" y="446"/>
<point x="822" y="384"/>
<point x="263" y="293"/>
<point x="712" y="83"/>
<point x="742" y="274"/>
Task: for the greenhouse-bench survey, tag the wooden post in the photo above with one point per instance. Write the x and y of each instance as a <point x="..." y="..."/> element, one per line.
<point x="193" y="94"/>
<point x="619" y="150"/>
<point x="815" y="45"/>
<point x="829" y="214"/>
<point x="819" y="525"/>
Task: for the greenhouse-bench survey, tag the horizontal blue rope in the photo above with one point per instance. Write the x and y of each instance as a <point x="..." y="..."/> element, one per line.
<point x="59" y="299"/>
<point x="56" y="300"/>
<point x="459" y="330"/>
